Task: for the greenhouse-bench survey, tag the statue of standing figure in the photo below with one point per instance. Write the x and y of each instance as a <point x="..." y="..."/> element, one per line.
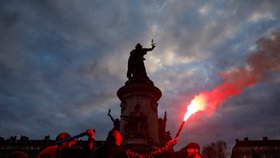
<point x="116" y="122"/>
<point x="136" y="67"/>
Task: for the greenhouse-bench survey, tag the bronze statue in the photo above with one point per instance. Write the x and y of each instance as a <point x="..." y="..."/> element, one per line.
<point x="116" y="122"/>
<point x="136" y="67"/>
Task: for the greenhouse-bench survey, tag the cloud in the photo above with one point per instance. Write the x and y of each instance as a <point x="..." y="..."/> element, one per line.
<point x="204" y="10"/>
<point x="263" y="12"/>
<point x="256" y="17"/>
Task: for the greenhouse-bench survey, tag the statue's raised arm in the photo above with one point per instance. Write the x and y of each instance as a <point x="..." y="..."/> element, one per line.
<point x="136" y="67"/>
<point x="152" y="44"/>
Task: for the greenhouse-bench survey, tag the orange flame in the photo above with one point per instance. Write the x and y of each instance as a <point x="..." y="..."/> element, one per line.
<point x="197" y="104"/>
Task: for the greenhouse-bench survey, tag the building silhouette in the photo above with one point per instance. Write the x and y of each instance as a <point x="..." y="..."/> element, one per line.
<point x="264" y="148"/>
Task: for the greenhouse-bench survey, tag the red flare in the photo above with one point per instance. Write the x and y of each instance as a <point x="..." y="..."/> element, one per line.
<point x="197" y="104"/>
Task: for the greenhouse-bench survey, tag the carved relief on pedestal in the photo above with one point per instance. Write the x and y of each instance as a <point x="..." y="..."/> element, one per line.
<point x="137" y="124"/>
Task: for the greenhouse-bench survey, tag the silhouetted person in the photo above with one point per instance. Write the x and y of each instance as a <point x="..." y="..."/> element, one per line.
<point x="116" y="122"/>
<point x="193" y="150"/>
<point x="136" y="67"/>
<point x="113" y="149"/>
<point x="67" y="149"/>
<point x="18" y="154"/>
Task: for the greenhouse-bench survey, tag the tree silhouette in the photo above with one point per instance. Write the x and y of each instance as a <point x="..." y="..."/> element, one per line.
<point x="215" y="150"/>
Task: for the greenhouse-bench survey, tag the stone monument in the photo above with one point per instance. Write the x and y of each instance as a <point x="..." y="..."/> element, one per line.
<point x="139" y="101"/>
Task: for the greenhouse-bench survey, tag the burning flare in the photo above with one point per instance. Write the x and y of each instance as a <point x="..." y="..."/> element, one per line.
<point x="197" y="104"/>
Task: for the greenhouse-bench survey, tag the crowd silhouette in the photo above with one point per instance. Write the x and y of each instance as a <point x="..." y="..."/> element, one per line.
<point x="64" y="147"/>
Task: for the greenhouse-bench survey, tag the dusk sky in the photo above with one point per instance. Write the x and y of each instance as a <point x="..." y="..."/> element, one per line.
<point x="63" y="61"/>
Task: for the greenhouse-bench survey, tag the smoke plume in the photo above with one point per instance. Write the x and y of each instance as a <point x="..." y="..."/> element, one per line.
<point x="260" y="63"/>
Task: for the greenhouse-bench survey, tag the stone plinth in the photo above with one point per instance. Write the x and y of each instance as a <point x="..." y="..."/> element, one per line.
<point x="139" y="117"/>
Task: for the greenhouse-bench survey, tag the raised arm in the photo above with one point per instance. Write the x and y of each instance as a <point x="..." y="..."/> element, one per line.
<point x="153" y="46"/>
<point x="111" y="117"/>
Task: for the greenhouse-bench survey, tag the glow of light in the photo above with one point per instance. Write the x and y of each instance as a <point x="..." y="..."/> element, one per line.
<point x="197" y="104"/>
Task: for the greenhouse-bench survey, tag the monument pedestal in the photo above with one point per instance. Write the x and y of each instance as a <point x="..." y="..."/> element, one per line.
<point x="139" y="117"/>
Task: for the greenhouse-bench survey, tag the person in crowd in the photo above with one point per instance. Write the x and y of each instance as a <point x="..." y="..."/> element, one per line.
<point x="67" y="149"/>
<point x="193" y="150"/>
<point x="113" y="149"/>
